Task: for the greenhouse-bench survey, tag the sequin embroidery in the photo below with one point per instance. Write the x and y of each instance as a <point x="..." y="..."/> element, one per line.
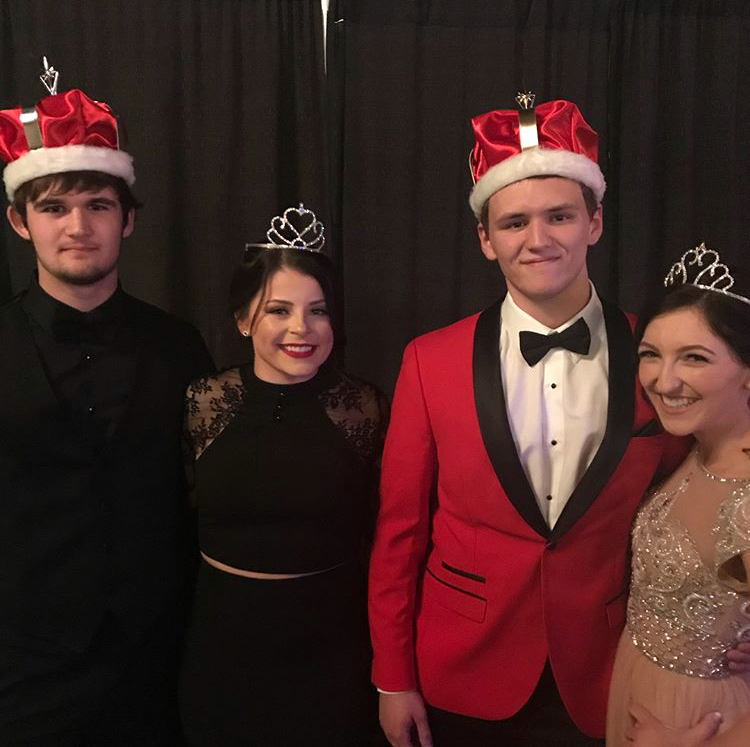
<point x="683" y="615"/>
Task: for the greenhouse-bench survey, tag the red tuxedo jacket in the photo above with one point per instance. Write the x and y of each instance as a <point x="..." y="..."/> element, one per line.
<point x="470" y="590"/>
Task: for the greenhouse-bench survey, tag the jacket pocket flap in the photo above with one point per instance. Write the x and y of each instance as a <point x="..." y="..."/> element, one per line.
<point x="465" y="603"/>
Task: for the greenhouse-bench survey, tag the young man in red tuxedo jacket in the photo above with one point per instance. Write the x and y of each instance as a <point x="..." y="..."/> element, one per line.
<point x="518" y="451"/>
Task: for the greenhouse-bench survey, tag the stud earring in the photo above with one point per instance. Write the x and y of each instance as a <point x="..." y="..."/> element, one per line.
<point x="245" y="333"/>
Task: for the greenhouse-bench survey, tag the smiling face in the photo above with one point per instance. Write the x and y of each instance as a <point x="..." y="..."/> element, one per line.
<point x="76" y="236"/>
<point x="290" y="328"/>
<point x="539" y="232"/>
<point x="692" y="377"/>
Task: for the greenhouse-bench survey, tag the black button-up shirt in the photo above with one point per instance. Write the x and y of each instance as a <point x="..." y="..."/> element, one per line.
<point x="89" y="358"/>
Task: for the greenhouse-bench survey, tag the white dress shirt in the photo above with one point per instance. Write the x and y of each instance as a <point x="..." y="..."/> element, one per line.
<point x="558" y="408"/>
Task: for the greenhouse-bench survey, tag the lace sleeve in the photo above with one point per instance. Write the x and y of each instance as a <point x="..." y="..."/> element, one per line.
<point x="733" y="529"/>
<point x="210" y="405"/>
<point x="361" y="412"/>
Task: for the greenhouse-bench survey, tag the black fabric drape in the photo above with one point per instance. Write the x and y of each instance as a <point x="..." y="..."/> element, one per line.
<point x="223" y="104"/>
<point x="661" y="82"/>
<point x="230" y="120"/>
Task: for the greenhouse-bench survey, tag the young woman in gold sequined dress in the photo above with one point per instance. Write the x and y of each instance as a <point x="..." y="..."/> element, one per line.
<point x="689" y="599"/>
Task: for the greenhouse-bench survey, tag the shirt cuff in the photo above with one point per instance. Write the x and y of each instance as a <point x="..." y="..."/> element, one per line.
<point x="394" y="692"/>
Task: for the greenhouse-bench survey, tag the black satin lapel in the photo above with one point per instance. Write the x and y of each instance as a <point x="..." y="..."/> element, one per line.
<point x="620" y="411"/>
<point x="489" y="400"/>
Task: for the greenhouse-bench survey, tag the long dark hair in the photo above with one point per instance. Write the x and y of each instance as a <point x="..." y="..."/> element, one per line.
<point x="260" y="265"/>
<point x="728" y="318"/>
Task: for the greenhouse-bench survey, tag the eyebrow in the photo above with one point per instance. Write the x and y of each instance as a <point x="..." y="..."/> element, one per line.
<point x="683" y="349"/>
<point x="553" y="209"/>
<point x="563" y="206"/>
<point x="47" y="201"/>
<point x="290" y="303"/>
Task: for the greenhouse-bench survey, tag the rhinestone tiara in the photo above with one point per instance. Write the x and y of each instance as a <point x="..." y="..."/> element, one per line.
<point x="295" y="228"/>
<point x="703" y="268"/>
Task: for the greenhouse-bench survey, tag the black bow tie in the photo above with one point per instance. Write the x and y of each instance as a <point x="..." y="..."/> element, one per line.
<point x="575" y="338"/>
<point x="93" y="327"/>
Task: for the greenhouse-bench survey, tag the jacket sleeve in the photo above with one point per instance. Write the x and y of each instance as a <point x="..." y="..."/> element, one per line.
<point x="402" y="530"/>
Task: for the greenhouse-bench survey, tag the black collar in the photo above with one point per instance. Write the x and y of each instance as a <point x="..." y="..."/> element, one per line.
<point x="324" y="379"/>
<point x="49" y="313"/>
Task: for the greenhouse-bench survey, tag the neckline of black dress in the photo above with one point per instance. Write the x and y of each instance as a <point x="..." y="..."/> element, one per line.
<point x="322" y="380"/>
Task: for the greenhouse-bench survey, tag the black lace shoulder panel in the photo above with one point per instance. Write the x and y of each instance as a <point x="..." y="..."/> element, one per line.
<point x="361" y="411"/>
<point x="211" y="403"/>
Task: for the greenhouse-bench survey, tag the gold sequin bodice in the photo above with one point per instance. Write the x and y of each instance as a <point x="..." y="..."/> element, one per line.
<point x="683" y="613"/>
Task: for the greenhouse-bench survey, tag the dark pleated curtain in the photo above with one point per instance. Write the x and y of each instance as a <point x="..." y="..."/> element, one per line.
<point x="680" y="137"/>
<point x="661" y="81"/>
<point x="223" y="103"/>
<point x="230" y="121"/>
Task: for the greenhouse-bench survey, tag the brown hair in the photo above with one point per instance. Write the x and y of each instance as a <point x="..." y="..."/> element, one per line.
<point x="74" y="181"/>
<point x="727" y="318"/>
<point x="588" y="198"/>
<point x="260" y="265"/>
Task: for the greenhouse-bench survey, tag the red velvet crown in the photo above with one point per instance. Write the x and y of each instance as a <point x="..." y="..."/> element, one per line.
<point x="63" y="132"/>
<point x="566" y="146"/>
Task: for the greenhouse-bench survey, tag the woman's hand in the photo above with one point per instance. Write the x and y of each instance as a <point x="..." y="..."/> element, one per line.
<point x="647" y="731"/>
<point x="739" y="658"/>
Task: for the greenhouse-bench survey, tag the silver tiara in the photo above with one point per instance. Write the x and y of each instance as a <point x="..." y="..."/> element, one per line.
<point x="703" y="268"/>
<point x="296" y="228"/>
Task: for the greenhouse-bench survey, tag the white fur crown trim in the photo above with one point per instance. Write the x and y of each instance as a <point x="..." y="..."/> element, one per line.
<point x="537" y="162"/>
<point x="45" y="161"/>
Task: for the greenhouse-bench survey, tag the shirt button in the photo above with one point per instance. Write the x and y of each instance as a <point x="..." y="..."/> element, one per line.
<point x="91" y="410"/>
<point x="553" y="442"/>
<point x="551" y="546"/>
<point x="87" y="357"/>
<point x="277" y="417"/>
<point x="548" y="497"/>
<point x="553" y="386"/>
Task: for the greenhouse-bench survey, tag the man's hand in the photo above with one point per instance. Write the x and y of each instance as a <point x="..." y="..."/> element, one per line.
<point x="400" y="715"/>
<point x="648" y="731"/>
<point x="739" y="658"/>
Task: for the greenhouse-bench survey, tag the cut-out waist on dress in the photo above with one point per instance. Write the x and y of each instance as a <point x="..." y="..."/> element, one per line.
<point x="260" y="575"/>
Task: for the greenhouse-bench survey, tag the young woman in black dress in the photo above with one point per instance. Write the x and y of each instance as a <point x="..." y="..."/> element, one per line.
<point x="285" y="452"/>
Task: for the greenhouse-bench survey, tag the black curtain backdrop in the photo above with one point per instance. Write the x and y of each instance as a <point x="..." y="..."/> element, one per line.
<point x="223" y="104"/>
<point x="231" y="119"/>
<point x="662" y="81"/>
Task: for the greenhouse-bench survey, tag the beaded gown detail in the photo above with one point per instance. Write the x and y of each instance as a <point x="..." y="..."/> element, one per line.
<point x="688" y="606"/>
<point x="285" y="483"/>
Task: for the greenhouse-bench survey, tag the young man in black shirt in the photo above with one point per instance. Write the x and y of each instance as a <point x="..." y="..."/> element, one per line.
<point x="95" y="552"/>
